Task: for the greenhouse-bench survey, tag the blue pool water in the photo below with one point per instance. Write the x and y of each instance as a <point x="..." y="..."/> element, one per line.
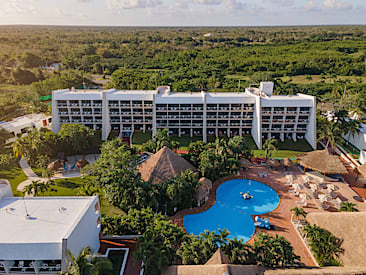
<point x="230" y="211"/>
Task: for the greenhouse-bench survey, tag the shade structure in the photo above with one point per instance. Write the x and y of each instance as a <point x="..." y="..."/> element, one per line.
<point x="323" y="162"/>
<point x="82" y="163"/>
<point x="273" y="163"/>
<point x="162" y="166"/>
<point x="218" y="258"/>
<point x="325" y="198"/>
<point x="286" y="162"/>
<point x="55" y="165"/>
<point x="362" y="169"/>
<point x="203" y="190"/>
<point x="245" y="163"/>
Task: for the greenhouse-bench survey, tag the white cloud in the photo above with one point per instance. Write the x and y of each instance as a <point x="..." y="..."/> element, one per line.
<point x="132" y="4"/>
<point x="21" y="6"/>
<point x="230" y="4"/>
<point x="282" y="3"/>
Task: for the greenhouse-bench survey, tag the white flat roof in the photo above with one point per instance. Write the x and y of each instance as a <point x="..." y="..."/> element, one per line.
<point x="23" y="121"/>
<point x="51" y="220"/>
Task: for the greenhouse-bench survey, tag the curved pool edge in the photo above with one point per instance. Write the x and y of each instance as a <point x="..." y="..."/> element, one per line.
<point x="179" y="216"/>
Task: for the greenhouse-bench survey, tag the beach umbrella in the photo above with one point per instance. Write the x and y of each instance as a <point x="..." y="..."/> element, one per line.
<point x="304" y="197"/>
<point x="324" y="198"/>
<point x="314" y="187"/>
<point x="298" y="186"/>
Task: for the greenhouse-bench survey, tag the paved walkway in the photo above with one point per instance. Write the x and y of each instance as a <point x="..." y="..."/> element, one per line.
<point x="64" y="175"/>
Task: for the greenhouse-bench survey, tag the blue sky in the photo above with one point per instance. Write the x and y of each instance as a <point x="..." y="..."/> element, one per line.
<point x="182" y="12"/>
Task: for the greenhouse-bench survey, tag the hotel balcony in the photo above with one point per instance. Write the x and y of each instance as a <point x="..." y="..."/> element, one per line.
<point x="113" y="105"/>
<point x="247" y="125"/>
<point x="112" y="113"/>
<point x="266" y="120"/>
<point x="289" y="129"/>
<point x="185" y="117"/>
<point x="64" y="121"/>
<point x="223" y="125"/>
<point x="278" y="112"/>
<point x="137" y="105"/>
<point x="98" y="120"/>
<point x="89" y="120"/>
<point x="173" y="109"/>
<point x="197" y="108"/>
<point x="161" y="108"/>
<point x="75" y="113"/>
<point x="304" y="112"/>
<point x="211" y="124"/>
<point x="301" y="130"/>
<point x="185" y="108"/>
<point x="198" y="117"/>
<point x="61" y="104"/>
<point x="303" y="121"/>
<point x="290" y="120"/>
<point x="114" y="120"/>
<point x="137" y="113"/>
<point x="211" y="108"/>
<point x="148" y="105"/>
<point x="86" y="105"/>
<point x="234" y="124"/>
<point x="291" y="112"/>
<point x="74" y="104"/>
<point x="126" y="128"/>
<point x="63" y="113"/>
<point x="266" y="112"/>
<point x="223" y="108"/>
<point x="76" y="121"/>
<point x="212" y="116"/>
<point x="278" y="120"/>
<point x="97" y="104"/>
<point x="126" y="120"/>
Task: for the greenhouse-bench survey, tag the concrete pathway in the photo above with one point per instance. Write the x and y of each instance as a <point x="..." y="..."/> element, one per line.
<point x="65" y="175"/>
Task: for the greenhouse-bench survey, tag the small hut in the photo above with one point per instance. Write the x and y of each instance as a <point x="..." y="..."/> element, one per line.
<point x="218" y="258"/>
<point x="245" y="163"/>
<point x="203" y="190"/>
<point x="323" y="162"/>
<point x="55" y="165"/>
<point x="162" y="166"/>
<point x="82" y="163"/>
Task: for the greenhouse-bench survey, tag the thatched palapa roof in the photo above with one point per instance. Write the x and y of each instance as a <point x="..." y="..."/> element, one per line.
<point x="203" y="190"/>
<point x="349" y="226"/>
<point x="323" y="162"/>
<point x="286" y="162"/>
<point x="245" y="163"/>
<point x="163" y="165"/>
<point x="55" y="165"/>
<point x="362" y="169"/>
<point x="218" y="258"/>
<point x="82" y="163"/>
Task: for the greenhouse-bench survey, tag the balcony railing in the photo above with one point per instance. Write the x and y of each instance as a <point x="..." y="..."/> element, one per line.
<point x="61" y="104"/>
<point x="304" y="112"/>
<point x="113" y="105"/>
<point x="211" y="109"/>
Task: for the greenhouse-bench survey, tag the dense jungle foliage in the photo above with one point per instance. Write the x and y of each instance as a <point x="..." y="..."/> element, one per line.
<point x="319" y="60"/>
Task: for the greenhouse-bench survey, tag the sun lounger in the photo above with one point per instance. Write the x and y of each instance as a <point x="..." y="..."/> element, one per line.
<point x="302" y="203"/>
<point x="294" y="192"/>
<point x="337" y="203"/>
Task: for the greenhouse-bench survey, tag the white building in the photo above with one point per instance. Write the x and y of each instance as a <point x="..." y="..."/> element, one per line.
<point x="37" y="233"/>
<point x="21" y="124"/>
<point x="359" y="140"/>
<point x="256" y="112"/>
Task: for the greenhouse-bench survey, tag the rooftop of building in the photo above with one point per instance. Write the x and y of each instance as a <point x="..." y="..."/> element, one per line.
<point x="36" y="220"/>
<point x="23" y="120"/>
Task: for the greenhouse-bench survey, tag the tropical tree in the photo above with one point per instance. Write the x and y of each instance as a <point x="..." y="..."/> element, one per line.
<point x="325" y="246"/>
<point x="298" y="212"/>
<point x="180" y="191"/>
<point x="218" y="161"/>
<point x="159" y="141"/>
<point x="348" y="207"/>
<point x="237" y="146"/>
<point x="273" y="251"/>
<point x="36" y="188"/>
<point x="269" y="146"/>
<point x="76" y="138"/>
<point x="86" y="264"/>
<point x="4" y="136"/>
<point x="88" y="189"/>
<point x="194" y="151"/>
<point x="330" y="131"/>
<point x="43" y="161"/>
<point x="7" y="160"/>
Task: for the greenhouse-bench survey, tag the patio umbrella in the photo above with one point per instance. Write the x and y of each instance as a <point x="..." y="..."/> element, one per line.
<point x="245" y="163"/>
<point x="314" y="187"/>
<point x="304" y="197"/>
<point x="286" y="162"/>
<point x="298" y="186"/>
<point x="325" y="198"/>
<point x="333" y="187"/>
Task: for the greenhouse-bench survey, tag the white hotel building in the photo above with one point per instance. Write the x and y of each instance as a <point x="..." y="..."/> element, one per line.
<point x="255" y="111"/>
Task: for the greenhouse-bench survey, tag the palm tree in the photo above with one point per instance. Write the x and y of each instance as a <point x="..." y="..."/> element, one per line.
<point x="237" y="146"/>
<point x="86" y="264"/>
<point x="269" y="146"/>
<point x="331" y="132"/>
<point x="348" y="207"/>
<point x="36" y="188"/>
<point x="298" y="212"/>
<point x="88" y="190"/>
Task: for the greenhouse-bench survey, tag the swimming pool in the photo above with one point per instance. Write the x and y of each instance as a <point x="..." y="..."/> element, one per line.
<point x="232" y="212"/>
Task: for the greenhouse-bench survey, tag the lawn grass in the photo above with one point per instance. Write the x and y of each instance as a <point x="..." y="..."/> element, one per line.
<point x="287" y="149"/>
<point x="139" y="138"/>
<point x="15" y="175"/>
<point x="184" y="141"/>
